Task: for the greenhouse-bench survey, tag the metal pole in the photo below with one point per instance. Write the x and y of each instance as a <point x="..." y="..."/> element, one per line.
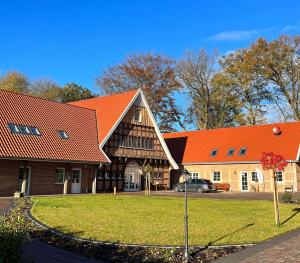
<point x="186" y="243"/>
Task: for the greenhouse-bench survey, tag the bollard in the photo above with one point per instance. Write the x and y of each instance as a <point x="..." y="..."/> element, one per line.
<point x="115" y="190"/>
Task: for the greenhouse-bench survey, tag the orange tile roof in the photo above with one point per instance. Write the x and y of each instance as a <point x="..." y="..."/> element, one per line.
<point x="196" y="146"/>
<point x="108" y="109"/>
<point x="49" y="117"/>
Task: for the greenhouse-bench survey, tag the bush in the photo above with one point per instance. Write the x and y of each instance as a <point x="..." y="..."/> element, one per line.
<point x="13" y="231"/>
<point x="10" y="242"/>
<point x="287" y="197"/>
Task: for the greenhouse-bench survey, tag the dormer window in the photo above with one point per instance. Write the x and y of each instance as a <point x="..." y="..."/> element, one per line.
<point x="137" y="115"/>
<point x="63" y="135"/>
<point x="230" y="152"/>
<point x="214" y="152"/>
<point x="242" y="151"/>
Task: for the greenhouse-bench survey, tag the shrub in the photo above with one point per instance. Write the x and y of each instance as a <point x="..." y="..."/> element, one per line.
<point x="13" y="231"/>
<point x="287" y="197"/>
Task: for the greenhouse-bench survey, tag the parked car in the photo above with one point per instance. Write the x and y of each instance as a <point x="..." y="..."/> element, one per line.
<point x="196" y="185"/>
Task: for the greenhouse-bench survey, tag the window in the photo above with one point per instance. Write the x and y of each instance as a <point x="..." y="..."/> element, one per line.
<point x="214" y="152"/>
<point x="230" y="152"/>
<point x="120" y="140"/>
<point x="160" y="175"/>
<point x="279" y="177"/>
<point x="254" y="177"/>
<point x="14" y="128"/>
<point x="59" y="175"/>
<point x="106" y="175"/>
<point x="99" y="174"/>
<point x="137" y="115"/>
<point x="24" y="129"/>
<point x="216" y="176"/>
<point x="193" y="175"/>
<point x="242" y="151"/>
<point x="63" y="135"/>
<point x="34" y="131"/>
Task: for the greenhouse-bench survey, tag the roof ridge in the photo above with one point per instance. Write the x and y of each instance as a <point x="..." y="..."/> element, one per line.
<point x="235" y="127"/>
<point x="43" y="99"/>
<point x="105" y="96"/>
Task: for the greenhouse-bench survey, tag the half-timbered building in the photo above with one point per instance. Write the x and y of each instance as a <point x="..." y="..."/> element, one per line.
<point x="131" y="139"/>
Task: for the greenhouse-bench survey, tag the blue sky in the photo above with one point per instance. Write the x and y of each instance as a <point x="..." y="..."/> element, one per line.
<point x="75" y="40"/>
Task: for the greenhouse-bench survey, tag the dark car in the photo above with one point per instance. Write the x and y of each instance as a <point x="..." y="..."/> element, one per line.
<point x="196" y="185"/>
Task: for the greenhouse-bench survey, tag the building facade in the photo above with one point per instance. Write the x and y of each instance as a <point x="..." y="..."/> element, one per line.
<point x="92" y="145"/>
<point x="232" y="155"/>
<point x="47" y="147"/>
<point x="131" y="140"/>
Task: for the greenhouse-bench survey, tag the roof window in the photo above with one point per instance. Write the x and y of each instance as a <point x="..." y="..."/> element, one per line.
<point x="214" y="152"/>
<point x="230" y="151"/>
<point x="24" y="129"/>
<point x="14" y="128"/>
<point x="63" y="135"/>
<point x="34" y="131"/>
<point x="242" y="151"/>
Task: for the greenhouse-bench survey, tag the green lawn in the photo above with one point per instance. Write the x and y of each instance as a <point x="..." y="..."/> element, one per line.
<point x="159" y="220"/>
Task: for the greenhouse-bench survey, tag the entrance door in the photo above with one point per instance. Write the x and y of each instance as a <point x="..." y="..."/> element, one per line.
<point x="132" y="181"/>
<point x="28" y="175"/>
<point x="244" y="181"/>
<point x="76" y="181"/>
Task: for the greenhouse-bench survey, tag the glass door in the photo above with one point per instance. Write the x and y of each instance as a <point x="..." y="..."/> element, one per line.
<point x="244" y="181"/>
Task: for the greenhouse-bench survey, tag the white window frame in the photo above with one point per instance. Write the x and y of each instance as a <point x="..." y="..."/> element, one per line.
<point x="212" y="177"/>
<point x="62" y="168"/>
<point x="140" y="115"/>
<point x="193" y="175"/>
<point x="282" y="174"/>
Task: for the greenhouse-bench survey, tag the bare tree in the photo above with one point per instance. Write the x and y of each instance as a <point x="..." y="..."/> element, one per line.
<point x="212" y="105"/>
<point x="278" y="62"/>
<point x="155" y="75"/>
<point x="46" y="89"/>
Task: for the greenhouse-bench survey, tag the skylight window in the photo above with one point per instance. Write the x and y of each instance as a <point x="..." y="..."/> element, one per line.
<point x="24" y="129"/>
<point x="14" y="128"/>
<point x="242" y="151"/>
<point x="35" y="131"/>
<point x="230" y="152"/>
<point x="214" y="152"/>
<point x="63" y="135"/>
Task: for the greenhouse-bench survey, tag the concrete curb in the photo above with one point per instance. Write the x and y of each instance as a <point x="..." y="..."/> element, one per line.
<point x="119" y="244"/>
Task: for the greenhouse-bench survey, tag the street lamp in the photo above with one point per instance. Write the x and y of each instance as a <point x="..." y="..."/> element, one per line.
<point x="185" y="177"/>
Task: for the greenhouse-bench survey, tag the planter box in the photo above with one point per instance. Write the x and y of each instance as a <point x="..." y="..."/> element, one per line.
<point x="18" y="194"/>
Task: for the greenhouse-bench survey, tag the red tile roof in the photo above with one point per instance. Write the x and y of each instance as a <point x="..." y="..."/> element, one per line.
<point x="49" y="117"/>
<point x="108" y="108"/>
<point x="196" y="146"/>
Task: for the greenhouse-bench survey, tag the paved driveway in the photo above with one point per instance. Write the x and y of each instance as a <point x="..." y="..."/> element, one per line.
<point x="284" y="248"/>
<point x="4" y="204"/>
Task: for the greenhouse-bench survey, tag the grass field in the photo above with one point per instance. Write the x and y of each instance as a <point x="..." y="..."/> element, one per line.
<point x="159" y="220"/>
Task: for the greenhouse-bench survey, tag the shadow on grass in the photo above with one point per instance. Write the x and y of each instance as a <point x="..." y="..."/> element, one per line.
<point x="296" y="212"/>
<point x="227" y="235"/>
